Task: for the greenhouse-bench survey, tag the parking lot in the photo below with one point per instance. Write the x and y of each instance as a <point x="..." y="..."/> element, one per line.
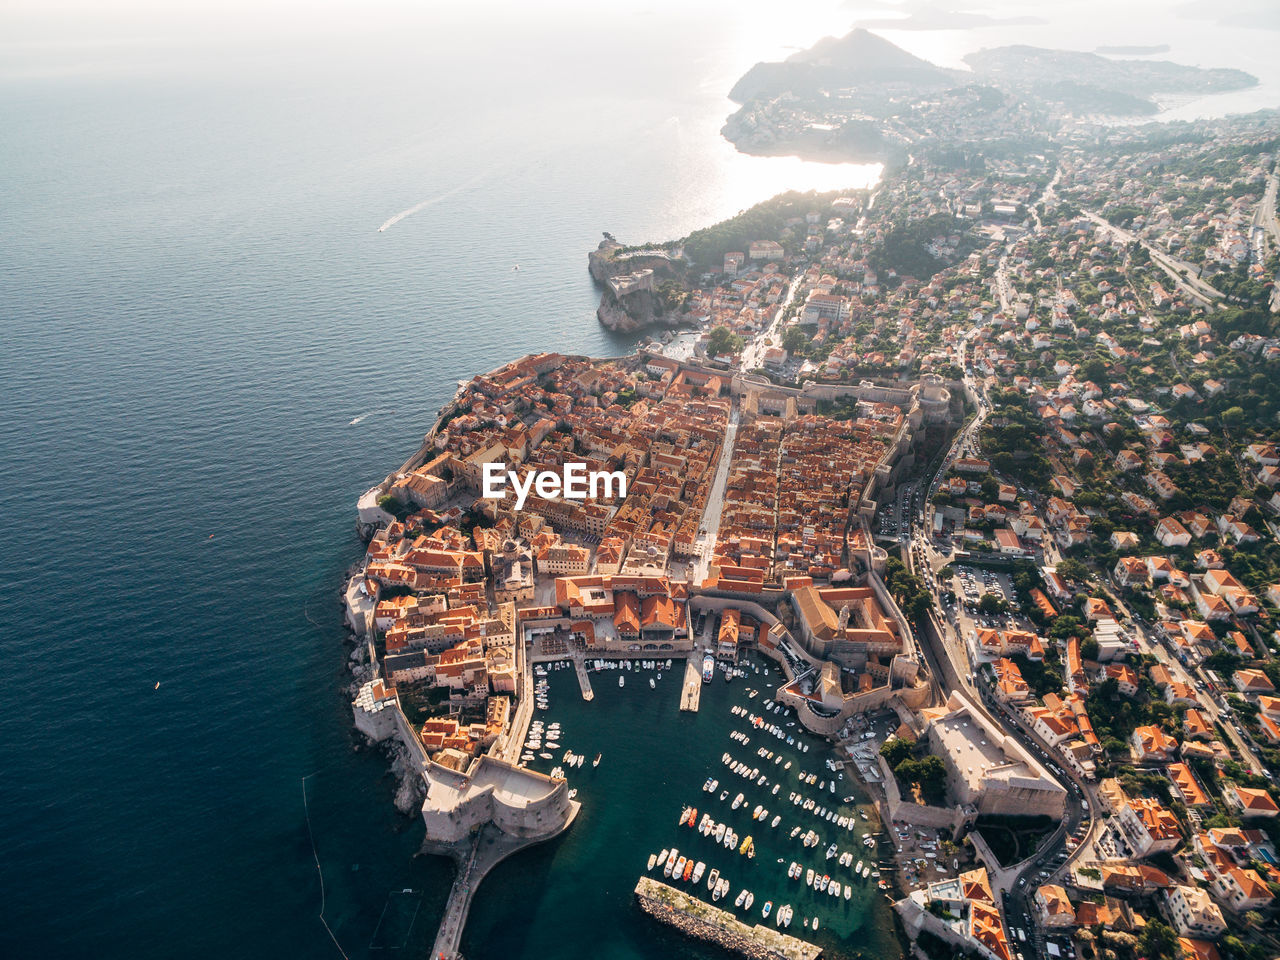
<point x="970" y="584"/>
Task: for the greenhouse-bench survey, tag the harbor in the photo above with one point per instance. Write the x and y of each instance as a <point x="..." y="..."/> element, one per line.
<point x="636" y="762"/>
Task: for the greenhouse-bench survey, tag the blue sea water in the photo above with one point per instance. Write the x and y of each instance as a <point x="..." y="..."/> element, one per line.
<point x="195" y="305"/>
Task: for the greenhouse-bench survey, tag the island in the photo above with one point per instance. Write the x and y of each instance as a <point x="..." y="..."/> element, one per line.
<point x="861" y="98"/>
<point x="956" y="500"/>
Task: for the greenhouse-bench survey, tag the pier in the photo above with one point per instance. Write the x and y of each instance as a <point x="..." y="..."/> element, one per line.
<point x="474" y="858"/>
<point x="700" y="920"/>
<point x="691" y="691"/>
<point x="584" y="678"/>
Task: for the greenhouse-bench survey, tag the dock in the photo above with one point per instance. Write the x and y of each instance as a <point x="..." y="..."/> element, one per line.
<point x="700" y="920"/>
<point x="691" y="692"/>
<point x="584" y="678"/>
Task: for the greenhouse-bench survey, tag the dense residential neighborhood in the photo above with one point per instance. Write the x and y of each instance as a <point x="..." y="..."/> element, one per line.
<point x="991" y="457"/>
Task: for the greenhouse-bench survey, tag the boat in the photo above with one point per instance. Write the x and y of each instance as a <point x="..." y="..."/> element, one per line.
<point x="698" y="870"/>
<point x="684" y="815"/>
<point x="751" y="898"/>
<point x="713" y="879"/>
<point x="742" y="895"/>
<point x="866" y="872"/>
<point x="723" y="794"/>
<point x="848" y="891"/>
<point x="775" y="821"/>
<point x="544" y="755"/>
<point x="662" y="857"/>
<point x="755" y="814"/>
<point x="737" y="801"/>
<point x="768" y="905"/>
<point x="815" y="923"/>
<point x="688" y="870"/>
<point x="824" y="882"/>
<point x="858" y="868"/>
<point x="720" y="828"/>
<point x="708" y="668"/>
<point x="671" y="864"/>
<point x="747" y="844"/>
<point x="776" y="788"/>
<point x="794" y="831"/>
<point x="622" y="681"/>
<point x="786" y="915"/>
<point x="831" y="851"/>
<point x="808" y="876"/>
<point x="693" y="816"/>
<point x="596" y="761"/>
<point x="653" y="858"/>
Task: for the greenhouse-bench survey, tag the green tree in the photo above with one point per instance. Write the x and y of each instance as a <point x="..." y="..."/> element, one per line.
<point x="895" y="751"/>
<point x="722" y="340"/>
<point x="1158" y="940"/>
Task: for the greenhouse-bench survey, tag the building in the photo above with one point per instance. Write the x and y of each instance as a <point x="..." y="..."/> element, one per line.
<point x="375" y="708"/>
<point x="1053" y="909"/>
<point x="1147" y="827"/>
<point x="1193" y="913"/>
<point x="986" y="768"/>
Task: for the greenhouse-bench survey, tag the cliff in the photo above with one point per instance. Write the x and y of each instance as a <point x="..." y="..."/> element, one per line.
<point x="651" y="303"/>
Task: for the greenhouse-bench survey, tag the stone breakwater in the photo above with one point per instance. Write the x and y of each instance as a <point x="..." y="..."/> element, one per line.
<point x="699" y="920"/>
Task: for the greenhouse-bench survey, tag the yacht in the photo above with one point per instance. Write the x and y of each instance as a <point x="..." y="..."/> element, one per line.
<point x="698" y="871"/>
<point x="751" y="898"/>
<point x="815" y="923"/>
<point x="713" y="879"/>
<point x="831" y="851"/>
<point x="808" y="876"/>
<point x="662" y="857"/>
<point x="652" y="685"/>
<point x="737" y="801"/>
<point x="848" y="891"/>
<point x="670" y="864"/>
<point x="794" y="831"/>
<point x="720" y="828"/>
<point x="768" y="905"/>
<point x="742" y="895"/>
<point x="653" y="858"/>
<point x="826" y="880"/>
<point x="858" y="868"/>
<point x="622" y="681"/>
<point x="775" y="821"/>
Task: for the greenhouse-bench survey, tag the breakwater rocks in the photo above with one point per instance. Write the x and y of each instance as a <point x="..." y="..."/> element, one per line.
<point x="697" y="919"/>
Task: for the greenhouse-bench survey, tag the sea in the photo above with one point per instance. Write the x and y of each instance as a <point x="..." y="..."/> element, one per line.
<point x="246" y="253"/>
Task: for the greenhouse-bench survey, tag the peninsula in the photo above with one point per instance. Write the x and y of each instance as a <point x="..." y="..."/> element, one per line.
<point x="862" y="98"/>
<point x="968" y="485"/>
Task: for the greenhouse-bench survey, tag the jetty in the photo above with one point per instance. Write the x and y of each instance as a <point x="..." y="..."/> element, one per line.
<point x="584" y="678"/>
<point x="700" y="920"/>
<point x="691" y="691"/>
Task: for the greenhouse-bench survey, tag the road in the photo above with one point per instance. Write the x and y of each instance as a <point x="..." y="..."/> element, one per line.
<point x="1182" y="273"/>
<point x="1267" y="225"/>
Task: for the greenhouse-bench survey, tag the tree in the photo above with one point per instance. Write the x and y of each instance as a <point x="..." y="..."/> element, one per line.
<point x="1158" y="940"/>
<point x="722" y="340"/>
<point x="895" y="751"/>
<point x="1073" y="569"/>
<point x="989" y="604"/>
<point x="1089" y="648"/>
<point x="793" y="340"/>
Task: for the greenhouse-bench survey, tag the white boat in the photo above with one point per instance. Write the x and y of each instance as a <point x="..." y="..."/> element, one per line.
<point x="831" y="851"/>
<point x="794" y="831"/>
<point x="755" y="814"/>
<point x="808" y="876"/>
<point x="858" y="868"/>
<point x="848" y="891"/>
<point x="737" y="801"/>
<point x="545" y="756"/>
<point x="668" y="867"/>
<point x="751" y="898"/>
<point x="720" y="828"/>
<point x="652" y="685"/>
<point x="678" y="873"/>
<point x="742" y="895"/>
<point x="815" y="923"/>
<point x="653" y="858"/>
<point x="713" y="879"/>
<point x="866" y="872"/>
<point x="622" y="681"/>
<point x="698" y="870"/>
<point x="662" y="857"/>
<point x="776" y="820"/>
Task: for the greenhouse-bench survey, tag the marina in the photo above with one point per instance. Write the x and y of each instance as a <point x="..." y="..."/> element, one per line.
<point x="666" y="767"/>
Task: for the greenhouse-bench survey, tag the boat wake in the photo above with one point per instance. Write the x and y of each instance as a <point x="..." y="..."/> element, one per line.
<point x="418" y="207"/>
<point x="366" y="416"/>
